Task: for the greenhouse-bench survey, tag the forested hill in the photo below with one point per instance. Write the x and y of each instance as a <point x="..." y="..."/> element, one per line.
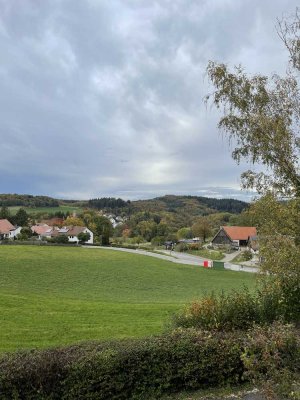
<point x="27" y="200"/>
<point x="189" y="205"/>
<point x="194" y="205"/>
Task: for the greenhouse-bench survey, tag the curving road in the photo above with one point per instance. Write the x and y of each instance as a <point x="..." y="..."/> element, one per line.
<point x="176" y="257"/>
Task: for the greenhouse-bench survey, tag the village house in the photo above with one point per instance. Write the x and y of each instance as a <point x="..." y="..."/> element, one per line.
<point x="236" y="236"/>
<point x="42" y="230"/>
<point x="7" y="230"/>
<point x="72" y="233"/>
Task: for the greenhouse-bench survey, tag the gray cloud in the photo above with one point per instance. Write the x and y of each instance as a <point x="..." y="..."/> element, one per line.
<point x="104" y="98"/>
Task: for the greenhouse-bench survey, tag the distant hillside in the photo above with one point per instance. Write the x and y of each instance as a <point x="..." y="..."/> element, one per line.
<point x="183" y="207"/>
<point x="27" y="200"/>
<point x="193" y="205"/>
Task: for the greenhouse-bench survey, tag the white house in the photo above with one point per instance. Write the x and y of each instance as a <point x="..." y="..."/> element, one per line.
<point x="7" y="230"/>
<point x="72" y="232"/>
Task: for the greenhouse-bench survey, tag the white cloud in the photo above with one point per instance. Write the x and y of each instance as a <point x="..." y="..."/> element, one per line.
<point x="105" y="98"/>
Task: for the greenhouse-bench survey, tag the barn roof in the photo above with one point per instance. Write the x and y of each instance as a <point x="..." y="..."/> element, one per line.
<point x="240" y="232"/>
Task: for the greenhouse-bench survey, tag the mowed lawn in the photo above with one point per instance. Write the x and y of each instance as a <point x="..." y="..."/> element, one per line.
<point x="58" y="295"/>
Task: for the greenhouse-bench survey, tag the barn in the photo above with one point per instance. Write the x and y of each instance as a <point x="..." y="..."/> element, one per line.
<point x="234" y="235"/>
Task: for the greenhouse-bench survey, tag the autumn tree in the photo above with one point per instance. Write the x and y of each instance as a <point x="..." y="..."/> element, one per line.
<point x="202" y="228"/>
<point x="184" y="233"/>
<point x="73" y="221"/>
<point x="261" y="118"/>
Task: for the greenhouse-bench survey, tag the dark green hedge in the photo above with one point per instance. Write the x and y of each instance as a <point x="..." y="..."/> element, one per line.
<point x="130" y="369"/>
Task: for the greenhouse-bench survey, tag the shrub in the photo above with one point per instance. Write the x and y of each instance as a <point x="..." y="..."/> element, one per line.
<point x="272" y="359"/>
<point x="247" y="255"/>
<point x="158" y="241"/>
<point x="270" y="302"/>
<point x="132" y="369"/>
<point x="181" y="247"/>
<point x="125" y="246"/>
<point x="273" y="301"/>
<point x="84" y="237"/>
<point x="63" y="239"/>
<point x="118" y="240"/>
<point x="235" y="310"/>
<point x="145" y="247"/>
<point x="195" y="246"/>
<point x="147" y="368"/>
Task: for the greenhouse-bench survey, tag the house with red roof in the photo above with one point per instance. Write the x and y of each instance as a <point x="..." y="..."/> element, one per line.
<point x="234" y="235"/>
<point x="42" y="230"/>
<point x="8" y="230"/>
<point x="72" y="233"/>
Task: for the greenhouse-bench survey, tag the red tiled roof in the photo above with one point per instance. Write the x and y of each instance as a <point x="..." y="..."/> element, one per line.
<point x="240" y="232"/>
<point x="5" y="226"/>
<point x="41" y="229"/>
<point x="69" y="231"/>
<point x="75" y="230"/>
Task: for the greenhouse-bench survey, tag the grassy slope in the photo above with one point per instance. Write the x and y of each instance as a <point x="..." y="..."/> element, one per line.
<point x="210" y="254"/>
<point x="46" y="210"/>
<point x="58" y="295"/>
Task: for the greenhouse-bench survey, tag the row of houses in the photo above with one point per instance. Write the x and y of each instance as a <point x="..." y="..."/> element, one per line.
<point x="44" y="231"/>
<point x="72" y="232"/>
<point x="234" y="236"/>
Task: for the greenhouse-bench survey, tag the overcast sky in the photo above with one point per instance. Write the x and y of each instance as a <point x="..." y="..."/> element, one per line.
<point x="105" y="97"/>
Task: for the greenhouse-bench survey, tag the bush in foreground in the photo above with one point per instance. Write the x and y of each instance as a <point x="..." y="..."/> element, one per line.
<point x="240" y="309"/>
<point x="145" y="369"/>
<point x="230" y="311"/>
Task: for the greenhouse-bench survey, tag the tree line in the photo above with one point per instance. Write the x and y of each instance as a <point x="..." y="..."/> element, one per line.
<point x="27" y="200"/>
<point x="108" y="203"/>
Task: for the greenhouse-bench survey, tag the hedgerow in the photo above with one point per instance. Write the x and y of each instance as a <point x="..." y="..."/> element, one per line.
<point x="142" y="369"/>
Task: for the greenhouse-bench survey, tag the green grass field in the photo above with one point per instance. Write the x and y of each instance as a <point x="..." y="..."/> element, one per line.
<point x="211" y="254"/>
<point x="58" y="295"/>
<point x="46" y="210"/>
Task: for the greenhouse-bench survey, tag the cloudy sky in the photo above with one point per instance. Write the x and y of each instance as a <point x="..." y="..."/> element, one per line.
<point x="105" y="97"/>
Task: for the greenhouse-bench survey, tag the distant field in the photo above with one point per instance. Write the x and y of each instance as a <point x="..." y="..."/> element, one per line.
<point x="57" y="295"/>
<point x="34" y="210"/>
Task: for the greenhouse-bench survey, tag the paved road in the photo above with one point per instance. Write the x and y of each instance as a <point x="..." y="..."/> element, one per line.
<point x="176" y="257"/>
